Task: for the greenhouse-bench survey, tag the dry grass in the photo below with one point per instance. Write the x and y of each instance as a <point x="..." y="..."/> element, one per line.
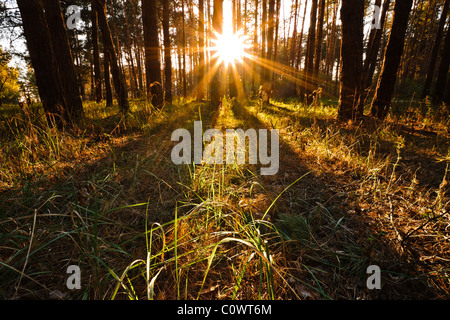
<point x="139" y="227"/>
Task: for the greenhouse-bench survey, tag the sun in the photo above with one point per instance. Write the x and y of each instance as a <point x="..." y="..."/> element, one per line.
<point x="230" y="47"/>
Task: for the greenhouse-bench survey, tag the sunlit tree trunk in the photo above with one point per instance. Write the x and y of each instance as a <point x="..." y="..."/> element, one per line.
<point x="201" y="46"/>
<point x="309" y="57"/>
<point x="215" y="85"/>
<point x="319" y="39"/>
<point x="373" y="50"/>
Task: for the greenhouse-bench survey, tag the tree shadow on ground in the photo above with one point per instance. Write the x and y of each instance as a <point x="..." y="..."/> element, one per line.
<point x="337" y="242"/>
<point x="92" y="210"/>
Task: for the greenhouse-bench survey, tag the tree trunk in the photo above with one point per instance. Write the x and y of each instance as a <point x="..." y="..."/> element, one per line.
<point x="270" y="39"/>
<point x="255" y="46"/>
<point x="318" y="49"/>
<point x="43" y="60"/>
<point x="215" y="85"/>
<point x="64" y="59"/>
<point x="435" y="51"/>
<point x="443" y="70"/>
<point x="183" y="49"/>
<point x="167" y="56"/>
<point x="394" y="50"/>
<point x="107" y="79"/>
<point x="352" y="16"/>
<point x="372" y="54"/>
<point x="264" y="39"/>
<point x="151" y="43"/>
<point x="96" y="54"/>
<point x="309" y="58"/>
<point x="201" y="47"/>
<point x="118" y="77"/>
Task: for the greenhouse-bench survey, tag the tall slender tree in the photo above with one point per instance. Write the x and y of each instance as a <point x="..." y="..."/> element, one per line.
<point x="64" y="58"/>
<point x="215" y="85"/>
<point x="52" y="89"/>
<point x="167" y="53"/>
<point x="201" y="47"/>
<point x="435" y="51"/>
<point x="96" y="54"/>
<point x="310" y="45"/>
<point x="110" y="52"/>
<point x="151" y="43"/>
<point x="352" y="16"/>
<point x="319" y="38"/>
<point x="441" y="79"/>
<point x="386" y="82"/>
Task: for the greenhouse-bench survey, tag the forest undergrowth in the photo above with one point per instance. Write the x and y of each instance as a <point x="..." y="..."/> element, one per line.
<point x="107" y="198"/>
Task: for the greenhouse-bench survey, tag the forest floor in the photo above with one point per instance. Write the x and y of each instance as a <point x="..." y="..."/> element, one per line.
<point x="109" y="199"/>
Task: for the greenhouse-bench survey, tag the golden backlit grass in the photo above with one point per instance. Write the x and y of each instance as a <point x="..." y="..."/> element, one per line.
<point x="106" y="197"/>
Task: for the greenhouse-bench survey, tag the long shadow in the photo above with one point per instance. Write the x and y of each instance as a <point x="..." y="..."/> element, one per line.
<point x="314" y="198"/>
<point x="99" y="207"/>
<point x="431" y="170"/>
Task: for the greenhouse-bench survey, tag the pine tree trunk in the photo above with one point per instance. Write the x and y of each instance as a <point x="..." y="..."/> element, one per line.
<point x="215" y="85"/>
<point x="352" y="16"/>
<point x="96" y="54"/>
<point x="151" y="43"/>
<point x="435" y="51"/>
<point x="318" y="48"/>
<point x="64" y="59"/>
<point x="183" y="50"/>
<point x="255" y="46"/>
<point x="372" y="54"/>
<point x="118" y="77"/>
<point x="264" y="39"/>
<point x="43" y="61"/>
<point x="309" y="58"/>
<point x="201" y="47"/>
<point x="167" y="54"/>
<point x="443" y="71"/>
<point x="270" y="40"/>
<point x="394" y="50"/>
<point x="107" y="80"/>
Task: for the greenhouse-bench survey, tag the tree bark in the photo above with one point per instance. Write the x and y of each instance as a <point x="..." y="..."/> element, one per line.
<point x="107" y="79"/>
<point x="435" y="51"/>
<point x="318" y="49"/>
<point x="118" y="77"/>
<point x="443" y="71"/>
<point x="215" y="85"/>
<point x="352" y="16"/>
<point x="167" y="54"/>
<point x="310" y="45"/>
<point x="43" y="61"/>
<point x="270" y="40"/>
<point x="201" y="47"/>
<point x="394" y="50"/>
<point x="96" y="54"/>
<point x="151" y="43"/>
<point x="64" y="59"/>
